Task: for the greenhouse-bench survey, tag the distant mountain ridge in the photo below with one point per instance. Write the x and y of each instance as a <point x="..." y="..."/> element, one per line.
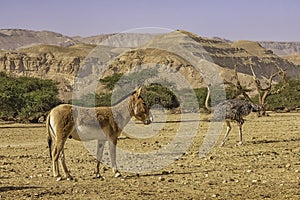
<point x="20" y="38"/>
<point x="282" y="48"/>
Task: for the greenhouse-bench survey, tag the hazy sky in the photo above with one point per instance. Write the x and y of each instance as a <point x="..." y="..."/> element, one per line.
<point x="277" y="20"/>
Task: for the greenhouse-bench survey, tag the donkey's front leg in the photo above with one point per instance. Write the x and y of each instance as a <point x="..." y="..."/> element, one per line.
<point x="112" y="152"/>
<point x="99" y="153"/>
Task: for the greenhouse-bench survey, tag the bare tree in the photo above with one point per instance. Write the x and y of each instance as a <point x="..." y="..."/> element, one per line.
<point x="238" y="85"/>
<point x="266" y="91"/>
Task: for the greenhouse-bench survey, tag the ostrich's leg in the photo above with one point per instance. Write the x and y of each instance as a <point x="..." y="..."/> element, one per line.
<point x="241" y="134"/>
<point x="226" y="134"/>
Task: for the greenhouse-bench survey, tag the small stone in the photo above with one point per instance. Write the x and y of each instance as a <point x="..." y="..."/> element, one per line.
<point x="161" y="178"/>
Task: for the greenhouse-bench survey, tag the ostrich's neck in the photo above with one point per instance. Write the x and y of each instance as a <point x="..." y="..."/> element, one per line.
<point x="207" y="100"/>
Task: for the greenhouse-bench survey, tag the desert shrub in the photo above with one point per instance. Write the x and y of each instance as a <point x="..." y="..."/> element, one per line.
<point x="159" y="94"/>
<point x="110" y="81"/>
<point x="91" y="100"/>
<point x="152" y="94"/>
<point x="289" y="97"/>
<point x="201" y="94"/>
<point x="26" y="99"/>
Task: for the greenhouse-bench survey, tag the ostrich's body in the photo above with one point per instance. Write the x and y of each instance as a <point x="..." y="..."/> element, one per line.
<point x="232" y="110"/>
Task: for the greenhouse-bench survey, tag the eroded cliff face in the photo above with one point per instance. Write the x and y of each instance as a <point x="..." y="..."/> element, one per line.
<point x="39" y="64"/>
<point x="47" y="62"/>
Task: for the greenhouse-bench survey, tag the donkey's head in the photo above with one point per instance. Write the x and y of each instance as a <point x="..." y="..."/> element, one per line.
<point x="140" y="110"/>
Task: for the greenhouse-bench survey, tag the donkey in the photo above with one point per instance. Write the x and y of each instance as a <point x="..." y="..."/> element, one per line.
<point x="85" y="124"/>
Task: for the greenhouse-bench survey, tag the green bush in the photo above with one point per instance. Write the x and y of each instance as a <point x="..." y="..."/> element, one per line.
<point x="152" y="93"/>
<point x="26" y="99"/>
<point x="110" y="81"/>
<point x="161" y="95"/>
<point x="201" y="94"/>
<point x="289" y="97"/>
<point x="91" y="100"/>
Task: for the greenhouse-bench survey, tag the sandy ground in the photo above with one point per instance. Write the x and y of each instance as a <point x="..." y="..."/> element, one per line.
<point x="267" y="166"/>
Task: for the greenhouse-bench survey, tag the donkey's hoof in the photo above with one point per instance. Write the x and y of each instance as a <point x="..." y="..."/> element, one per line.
<point x="70" y="178"/>
<point x="118" y="174"/>
<point x="98" y="176"/>
<point x="239" y="144"/>
<point x="58" y="178"/>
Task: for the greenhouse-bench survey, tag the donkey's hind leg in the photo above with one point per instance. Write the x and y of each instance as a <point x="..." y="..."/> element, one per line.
<point x="55" y="156"/>
<point x="56" y="153"/>
<point x="64" y="166"/>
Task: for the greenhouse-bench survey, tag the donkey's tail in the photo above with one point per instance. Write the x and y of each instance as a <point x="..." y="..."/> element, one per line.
<point x="49" y="136"/>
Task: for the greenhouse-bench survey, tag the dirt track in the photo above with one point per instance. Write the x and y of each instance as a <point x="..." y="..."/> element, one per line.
<point x="267" y="166"/>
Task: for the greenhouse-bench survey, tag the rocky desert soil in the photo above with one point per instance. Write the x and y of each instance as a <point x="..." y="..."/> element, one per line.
<point x="267" y="166"/>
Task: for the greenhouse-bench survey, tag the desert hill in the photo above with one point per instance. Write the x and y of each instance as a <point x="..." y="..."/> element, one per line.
<point x="62" y="63"/>
<point x="18" y="38"/>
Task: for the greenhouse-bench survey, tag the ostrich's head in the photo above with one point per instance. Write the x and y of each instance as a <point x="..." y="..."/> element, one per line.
<point x="255" y="107"/>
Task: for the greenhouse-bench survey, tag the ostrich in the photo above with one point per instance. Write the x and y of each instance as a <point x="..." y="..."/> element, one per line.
<point x="232" y="110"/>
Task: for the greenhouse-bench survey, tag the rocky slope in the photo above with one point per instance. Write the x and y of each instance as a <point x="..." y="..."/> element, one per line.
<point x="63" y="63"/>
<point x="294" y="58"/>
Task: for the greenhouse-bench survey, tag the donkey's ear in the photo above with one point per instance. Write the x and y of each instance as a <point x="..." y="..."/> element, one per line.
<point x="138" y="91"/>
